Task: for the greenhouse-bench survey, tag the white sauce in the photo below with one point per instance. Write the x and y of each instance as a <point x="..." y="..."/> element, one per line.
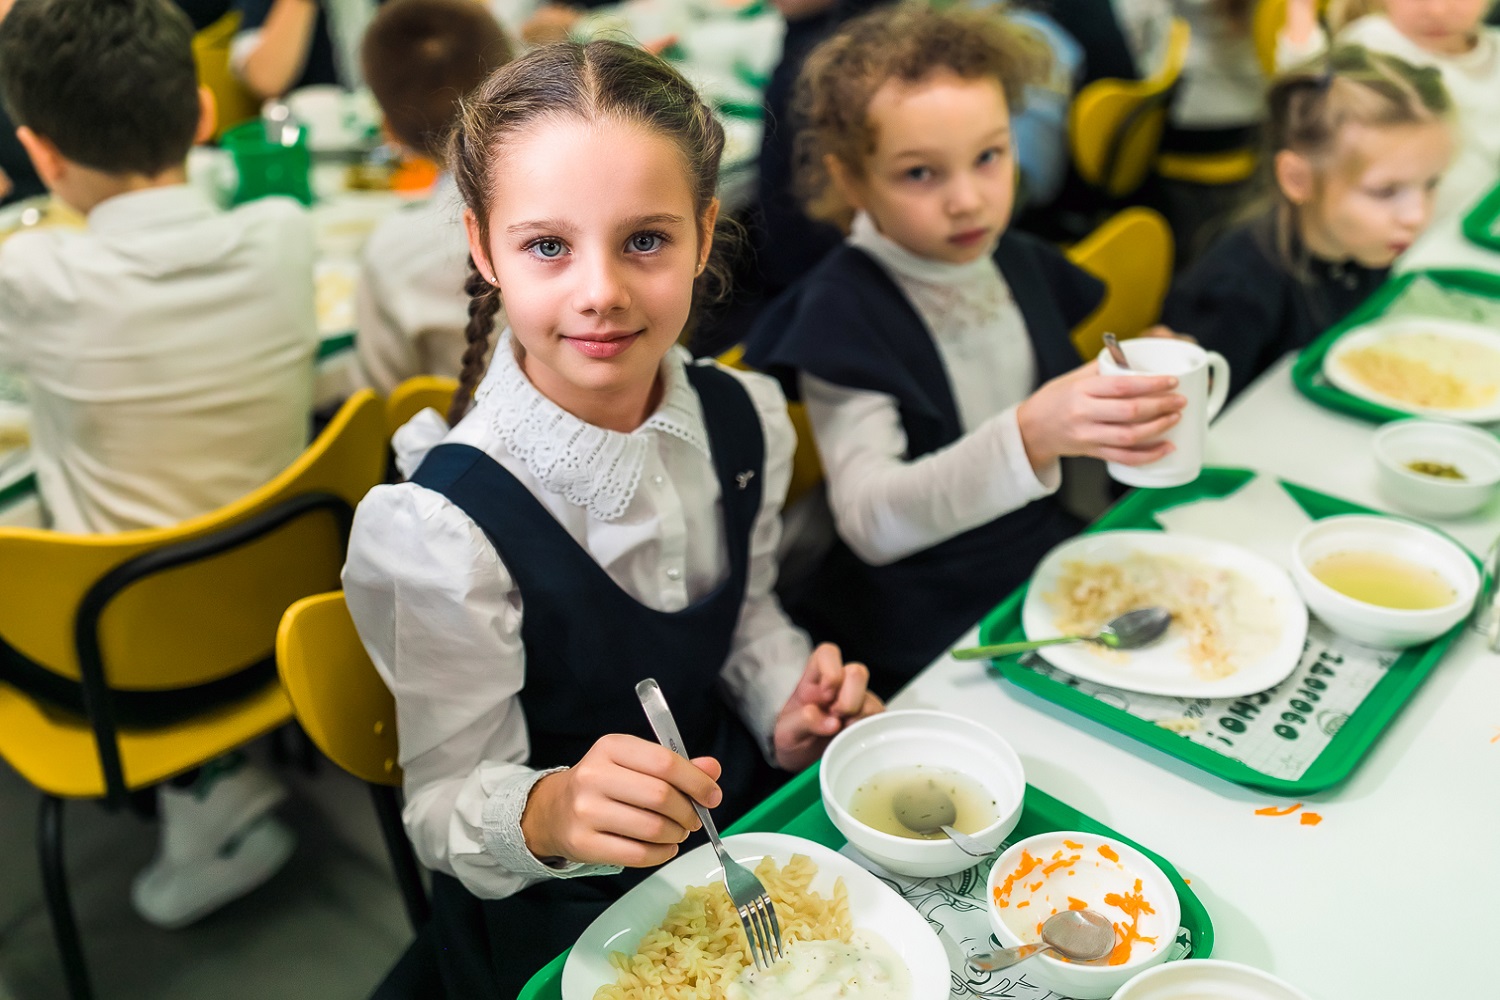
<point x="867" y="969"/>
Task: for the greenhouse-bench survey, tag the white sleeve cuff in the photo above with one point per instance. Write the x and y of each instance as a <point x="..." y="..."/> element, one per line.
<point x="241" y="47"/>
<point x="1034" y="483"/>
<point x="505" y="843"/>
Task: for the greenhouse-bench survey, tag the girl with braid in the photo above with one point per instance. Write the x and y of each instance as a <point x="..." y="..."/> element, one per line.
<point x="603" y="511"/>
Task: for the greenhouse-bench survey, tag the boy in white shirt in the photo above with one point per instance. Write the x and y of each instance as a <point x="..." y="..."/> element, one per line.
<point x="420" y="57"/>
<point x="168" y="346"/>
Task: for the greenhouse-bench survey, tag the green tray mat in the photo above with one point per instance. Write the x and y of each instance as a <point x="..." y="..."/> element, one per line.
<point x="1307" y="372"/>
<point x="797" y="809"/>
<point x="1355" y="736"/>
<point x="1482" y="225"/>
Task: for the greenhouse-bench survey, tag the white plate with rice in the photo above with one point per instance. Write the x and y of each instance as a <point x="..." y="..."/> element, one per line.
<point x="1428" y="367"/>
<point x="1238" y="623"/>
<point x="872" y="908"/>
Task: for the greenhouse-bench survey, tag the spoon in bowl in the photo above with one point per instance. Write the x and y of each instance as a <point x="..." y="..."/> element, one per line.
<point x="1077" y="935"/>
<point x="1132" y="630"/>
<point x="924" y="808"/>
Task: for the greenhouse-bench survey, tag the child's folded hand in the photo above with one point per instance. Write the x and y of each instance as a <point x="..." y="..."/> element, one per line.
<point x="628" y="802"/>
<point x="1118" y="418"/>
<point x="830" y="695"/>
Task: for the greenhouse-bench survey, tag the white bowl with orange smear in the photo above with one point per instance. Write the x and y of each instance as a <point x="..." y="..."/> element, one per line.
<point x="1056" y="871"/>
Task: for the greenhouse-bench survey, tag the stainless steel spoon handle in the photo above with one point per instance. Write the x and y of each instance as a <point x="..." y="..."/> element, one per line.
<point x="1007" y="648"/>
<point x="991" y="961"/>
<point x="665" y="727"/>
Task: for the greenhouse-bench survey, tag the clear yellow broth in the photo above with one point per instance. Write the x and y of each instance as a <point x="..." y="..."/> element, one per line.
<point x="1384" y="580"/>
<point x="873" y="802"/>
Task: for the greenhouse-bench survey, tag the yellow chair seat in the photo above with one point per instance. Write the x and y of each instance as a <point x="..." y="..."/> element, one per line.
<point x="416" y="394"/>
<point x="1232" y="167"/>
<point x="57" y="752"/>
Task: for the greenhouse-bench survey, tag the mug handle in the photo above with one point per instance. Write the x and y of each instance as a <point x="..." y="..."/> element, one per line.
<point x="1218" y="393"/>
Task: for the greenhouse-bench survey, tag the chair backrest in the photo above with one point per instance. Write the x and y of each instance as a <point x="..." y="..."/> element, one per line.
<point x="1132" y="254"/>
<point x="175" y="607"/>
<point x="416" y="394"/>
<point x="1115" y="126"/>
<point x="233" y="101"/>
<point x="807" y="468"/>
<point x="340" y="700"/>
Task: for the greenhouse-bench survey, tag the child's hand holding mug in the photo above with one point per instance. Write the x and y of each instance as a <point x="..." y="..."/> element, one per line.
<point x="1087" y="413"/>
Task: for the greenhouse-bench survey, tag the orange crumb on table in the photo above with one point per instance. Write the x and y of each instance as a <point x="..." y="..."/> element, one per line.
<point x="1026" y="867"/>
<point x="1077" y="904"/>
<point x="1278" y="811"/>
<point x="1072" y="846"/>
<point x="1311" y="819"/>
<point x="1108" y="852"/>
<point x="1064" y="863"/>
<point x="1133" y="904"/>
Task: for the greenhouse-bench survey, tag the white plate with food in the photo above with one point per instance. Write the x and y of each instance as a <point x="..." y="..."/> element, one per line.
<point x="893" y="946"/>
<point x="1238" y="623"/>
<point x="1430" y="367"/>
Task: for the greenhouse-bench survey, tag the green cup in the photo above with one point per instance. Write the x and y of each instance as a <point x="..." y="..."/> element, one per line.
<point x="266" y="168"/>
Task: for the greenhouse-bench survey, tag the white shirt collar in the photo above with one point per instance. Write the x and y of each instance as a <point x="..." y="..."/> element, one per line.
<point x="149" y="209"/>
<point x="898" y="260"/>
<point x="593" y="467"/>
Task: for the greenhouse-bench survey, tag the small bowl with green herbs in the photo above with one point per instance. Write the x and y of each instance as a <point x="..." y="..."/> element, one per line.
<point x="1437" y="469"/>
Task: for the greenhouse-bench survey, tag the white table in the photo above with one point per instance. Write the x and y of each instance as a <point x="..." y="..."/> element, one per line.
<point x="1349" y="908"/>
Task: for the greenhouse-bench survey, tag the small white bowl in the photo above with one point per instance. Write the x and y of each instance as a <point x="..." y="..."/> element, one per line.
<point x="1371" y="624"/>
<point x="1207" y="977"/>
<point x="1474" y="452"/>
<point x="932" y="739"/>
<point x="1090" y="878"/>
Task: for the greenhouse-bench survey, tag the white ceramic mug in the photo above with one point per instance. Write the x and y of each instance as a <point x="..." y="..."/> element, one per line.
<point x="1191" y="365"/>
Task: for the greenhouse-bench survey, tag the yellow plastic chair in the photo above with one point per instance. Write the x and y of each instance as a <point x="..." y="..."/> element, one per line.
<point x="1115" y="126"/>
<point x="346" y="709"/>
<point x="416" y="394"/>
<point x="807" y="468"/>
<point x="232" y="99"/>
<point x="161" y="610"/>
<point x="1132" y="254"/>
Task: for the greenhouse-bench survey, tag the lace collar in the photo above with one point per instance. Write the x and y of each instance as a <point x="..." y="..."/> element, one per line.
<point x="949" y="297"/>
<point x="592" y="467"/>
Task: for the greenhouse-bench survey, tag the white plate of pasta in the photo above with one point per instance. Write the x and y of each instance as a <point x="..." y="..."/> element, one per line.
<point x="1429" y="367"/>
<point x="637" y="950"/>
<point x="1238" y="623"/>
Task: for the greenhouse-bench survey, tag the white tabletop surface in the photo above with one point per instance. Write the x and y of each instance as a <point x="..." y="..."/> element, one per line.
<point x="1352" y="907"/>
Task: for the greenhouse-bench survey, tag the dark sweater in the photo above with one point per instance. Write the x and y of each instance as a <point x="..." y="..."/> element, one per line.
<point x="1242" y="300"/>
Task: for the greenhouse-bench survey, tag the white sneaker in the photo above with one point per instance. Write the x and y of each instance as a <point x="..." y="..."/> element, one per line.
<point x="173" y="894"/>
<point x="196" y="822"/>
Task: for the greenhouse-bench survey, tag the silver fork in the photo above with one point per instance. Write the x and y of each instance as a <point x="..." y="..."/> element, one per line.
<point x="749" y="896"/>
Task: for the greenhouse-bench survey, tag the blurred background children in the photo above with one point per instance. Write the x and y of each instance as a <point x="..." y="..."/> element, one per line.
<point x="286" y="44"/>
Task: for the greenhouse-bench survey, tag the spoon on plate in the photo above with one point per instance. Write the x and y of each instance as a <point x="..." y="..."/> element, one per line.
<point x="1132" y="630"/>
<point x="1077" y="935"/>
<point x="924" y="808"/>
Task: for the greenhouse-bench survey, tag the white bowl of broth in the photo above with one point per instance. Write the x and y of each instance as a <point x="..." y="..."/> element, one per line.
<point x="1207" y="979"/>
<point x="1382" y="581"/>
<point x="1437" y="469"/>
<point x="873" y="761"/>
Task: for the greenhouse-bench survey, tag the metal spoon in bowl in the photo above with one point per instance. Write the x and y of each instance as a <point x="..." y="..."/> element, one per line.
<point x="1132" y="630"/>
<point x="1077" y="935"/>
<point x="924" y="808"/>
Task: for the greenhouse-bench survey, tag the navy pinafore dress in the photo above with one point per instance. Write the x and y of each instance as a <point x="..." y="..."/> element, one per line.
<point x="587" y="644"/>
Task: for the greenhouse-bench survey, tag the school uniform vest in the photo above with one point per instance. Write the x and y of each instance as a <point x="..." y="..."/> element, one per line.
<point x="849" y="324"/>
<point x="588" y="643"/>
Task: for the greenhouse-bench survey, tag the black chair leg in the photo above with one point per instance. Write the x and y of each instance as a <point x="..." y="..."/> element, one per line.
<point x="408" y="874"/>
<point x="49" y="833"/>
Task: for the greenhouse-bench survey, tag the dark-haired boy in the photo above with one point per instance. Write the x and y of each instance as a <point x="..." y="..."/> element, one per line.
<point x="168" y="346"/>
<point x="420" y="57"/>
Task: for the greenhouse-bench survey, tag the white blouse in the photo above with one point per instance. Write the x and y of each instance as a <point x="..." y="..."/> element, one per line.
<point x="441" y="616"/>
<point x="886" y="507"/>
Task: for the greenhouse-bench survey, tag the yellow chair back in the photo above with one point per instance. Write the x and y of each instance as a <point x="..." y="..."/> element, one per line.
<point x="1132" y="254"/>
<point x="416" y="394"/>
<point x="807" y="468"/>
<point x="1265" y="25"/>
<point x="1115" y="126"/>
<point x="206" y="618"/>
<point x="232" y="99"/>
<point x="338" y="697"/>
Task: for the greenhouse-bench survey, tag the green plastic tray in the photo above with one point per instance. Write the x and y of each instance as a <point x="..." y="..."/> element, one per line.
<point x="797" y="809"/>
<point x="1482" y="225"/>
<point x="1354" y="738"/>
<point x="1307" y="372"/>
